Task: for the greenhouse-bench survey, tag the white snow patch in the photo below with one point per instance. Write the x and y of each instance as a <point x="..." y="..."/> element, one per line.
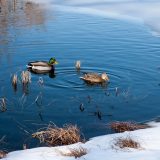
<point x="101" y="148"/>
<point x="144" y="11"/>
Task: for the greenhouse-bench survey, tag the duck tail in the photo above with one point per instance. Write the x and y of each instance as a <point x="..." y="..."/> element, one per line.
<point x="28" y="66"/>
<point x="82" y="78"/>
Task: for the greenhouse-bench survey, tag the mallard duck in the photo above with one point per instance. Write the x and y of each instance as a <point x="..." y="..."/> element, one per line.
<point x="42" y="66"/>
<point x="94" y="78"/>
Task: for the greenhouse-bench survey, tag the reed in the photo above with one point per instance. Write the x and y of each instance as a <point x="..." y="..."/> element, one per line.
<point x="53" y="135"/>
<point x="3" y="104"/>
<point x="15" y="81"/>
<point x="78" y="65"/>
<point x="25" y="77"/>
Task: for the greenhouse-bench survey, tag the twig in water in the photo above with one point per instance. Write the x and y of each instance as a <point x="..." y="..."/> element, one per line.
<point x="38" y="100"/>
<point x="14" y="82"/>
<point x="22" y="100"/>
<point x="40" y="81"/>
<point x="78" y="65"/>
<point x="2" y="139"/>
<point x="81" y="107"/>
<point x="3" y="105"/>
<point x="117" y="91"/>
<point x="89" y="99"/>
<point x="21" y="127"/>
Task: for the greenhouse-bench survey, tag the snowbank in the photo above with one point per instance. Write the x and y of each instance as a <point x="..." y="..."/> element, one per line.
<point x="145" y="11"/>
<point x="101" y="148"/>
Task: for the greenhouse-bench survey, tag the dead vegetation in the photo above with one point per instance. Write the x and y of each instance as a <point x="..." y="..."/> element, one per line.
<point x="3" y="104"/>
<point x="25" y="80"/>
<point x="77" y="153"/>
<point x="78" y="65"/>
<point x="25" y="77"/>
<point x="127" y="142"/>
<point x="126" y="126"/>
<point x="55" y="136"/>
<point x="15" y="81"/>
<point x="2" y="154"/>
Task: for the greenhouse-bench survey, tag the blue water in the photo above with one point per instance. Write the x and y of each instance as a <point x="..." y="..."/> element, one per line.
<point x="126" y="51"/>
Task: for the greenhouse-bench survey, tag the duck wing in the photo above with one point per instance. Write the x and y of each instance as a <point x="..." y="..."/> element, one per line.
<point x="91" y="75"/>
<point x="92" y="78"/>
<point x="38" y="63"/>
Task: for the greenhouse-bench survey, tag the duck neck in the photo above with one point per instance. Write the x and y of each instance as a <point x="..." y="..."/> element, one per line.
<point x="52" y="67"/>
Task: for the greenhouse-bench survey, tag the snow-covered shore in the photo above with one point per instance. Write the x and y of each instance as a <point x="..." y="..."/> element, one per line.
<point x="101" y="148"/>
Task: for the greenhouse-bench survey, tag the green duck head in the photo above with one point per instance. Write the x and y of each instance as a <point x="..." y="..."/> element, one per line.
<point x="52" y="61"/>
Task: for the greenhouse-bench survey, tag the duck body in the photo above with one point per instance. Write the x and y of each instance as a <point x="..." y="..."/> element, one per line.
<point x="95" y="78"/>
<point x="42" y="66"/>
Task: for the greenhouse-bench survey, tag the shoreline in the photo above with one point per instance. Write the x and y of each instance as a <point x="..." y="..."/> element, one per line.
<point x="101" y="147"/>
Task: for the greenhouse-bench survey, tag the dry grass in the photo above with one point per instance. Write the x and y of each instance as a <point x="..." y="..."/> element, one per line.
<point x="2" y="154"/>
<point x="14" y="81"/>
<point x="25" y="77"/>
<point x="126" y="126"/>
<point x="3" y="104"/>
<point x="53" y="135"/>
<point x="78" y="65"/>
<point x="127" y="142"/>
<point x="77" y="153"/>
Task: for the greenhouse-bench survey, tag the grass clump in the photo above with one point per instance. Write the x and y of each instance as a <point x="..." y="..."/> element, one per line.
<point x="2" y="154"/>
<point x="55" y="136"/>
<point x="77" y="153"/>
<point x="126" y="126"/>
<point x="126" y="142"/>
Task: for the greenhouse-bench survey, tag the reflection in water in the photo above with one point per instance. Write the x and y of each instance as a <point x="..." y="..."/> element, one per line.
<point x="50" y="73"/>
<point x="17" y="13"/>
<point x="34" y="13"/>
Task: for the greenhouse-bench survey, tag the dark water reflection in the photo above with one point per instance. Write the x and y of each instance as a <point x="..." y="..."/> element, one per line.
<point x="126" y="51"/>
<point x="15" y="14"/>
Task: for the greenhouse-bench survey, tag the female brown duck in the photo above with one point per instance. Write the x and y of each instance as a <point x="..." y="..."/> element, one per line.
<point x="94" y="78"/>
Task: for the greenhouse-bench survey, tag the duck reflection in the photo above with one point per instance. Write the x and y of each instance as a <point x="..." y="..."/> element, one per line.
<point x="51" y="73"/>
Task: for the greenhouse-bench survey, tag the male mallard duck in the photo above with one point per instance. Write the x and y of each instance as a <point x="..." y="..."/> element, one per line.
<point x="94" y="78"/>
<point x="42" y="66"/>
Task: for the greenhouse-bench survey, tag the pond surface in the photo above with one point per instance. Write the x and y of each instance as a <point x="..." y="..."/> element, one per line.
<point x="126" y="51"/>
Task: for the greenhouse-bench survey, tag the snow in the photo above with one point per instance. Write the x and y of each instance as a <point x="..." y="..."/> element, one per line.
<point x="101" y="148"/>
<point x="144" y="12"/>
